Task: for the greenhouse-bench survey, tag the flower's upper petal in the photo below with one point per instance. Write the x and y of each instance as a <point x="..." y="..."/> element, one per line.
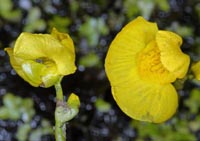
<point x="146" y="102"/>
<point x="64" y="38"/>
<point x="139" y="30"/>
<point x="32" y="46"/>
<point x="121" y="56"/>
<point x="172" y="58"/>
<point x="68" y="51"/>
<point x="196" y="70"/>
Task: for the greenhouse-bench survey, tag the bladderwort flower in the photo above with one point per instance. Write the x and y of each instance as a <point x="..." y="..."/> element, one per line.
<point x="43" y="59"/>
<point x="141" y="64"/>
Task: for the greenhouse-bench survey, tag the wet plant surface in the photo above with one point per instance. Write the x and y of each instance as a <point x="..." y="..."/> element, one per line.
<point x="93" y="25"/>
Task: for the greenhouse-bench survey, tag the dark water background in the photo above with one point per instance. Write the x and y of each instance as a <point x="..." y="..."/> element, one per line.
<point x="93" y="25"/>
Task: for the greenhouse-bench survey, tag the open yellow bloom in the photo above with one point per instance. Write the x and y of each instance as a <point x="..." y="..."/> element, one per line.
<point x="43" y="59"/>
<point x="141" y="64"/>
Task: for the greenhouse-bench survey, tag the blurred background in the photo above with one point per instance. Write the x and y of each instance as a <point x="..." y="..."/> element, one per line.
<point x="27" y="113"/>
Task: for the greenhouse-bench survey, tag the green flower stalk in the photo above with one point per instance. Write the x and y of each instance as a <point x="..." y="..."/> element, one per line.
<point x="43" y="60"/>
<point x="64" y="112"/>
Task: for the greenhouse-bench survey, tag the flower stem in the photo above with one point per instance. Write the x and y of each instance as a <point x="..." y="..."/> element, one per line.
<point x="59" y="92"/>
<point x="60" y="132"/>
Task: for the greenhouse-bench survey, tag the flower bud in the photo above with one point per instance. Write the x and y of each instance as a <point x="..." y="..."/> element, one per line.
<point x="43" y="59"/>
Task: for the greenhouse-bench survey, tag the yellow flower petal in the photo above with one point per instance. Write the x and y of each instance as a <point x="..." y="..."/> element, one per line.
<point x="196" y="70"/>
<point x="140" y="31"/>
<point x="125" y="47"/>
<point x="64" y="38"/>
<point x="68" y="50"/>
<point x="30" y="46"/>
<point x="145" y="101"/>
<point x="172" y="57"/>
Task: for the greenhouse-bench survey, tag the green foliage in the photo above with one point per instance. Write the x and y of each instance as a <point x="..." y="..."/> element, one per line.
<point x="102" y="105"/>
<point x="144" y="7"/>
<point x="196" y="51"/>
<point x="44" y="129"/>
<point x="194" y="124"/>
<point x="25" y="131"/>
<point x="7" y="11"/>
<point x="92" y="29"/>
<point x="60" y="23"/>
<point x="74" y="6"/>
<point x="184" y="31"/>
<point x="163" y="4"/>
<point x="22" y="132"/>
<point x="165" y="132"/>
<point x="149" y="6"/>
<point x="17" y="108"/>
<point x="193" y="103"/>
<point x="131" y="8"/>
<point x="197" y="9"/>
<point x="90" y="60"/>
<point x="34" y="21"/>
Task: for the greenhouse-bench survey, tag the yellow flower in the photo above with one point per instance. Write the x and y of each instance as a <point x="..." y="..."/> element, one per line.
<point x="43" y="59"/>
<point x="196" y="70"/>
<point x="141" y="64"/>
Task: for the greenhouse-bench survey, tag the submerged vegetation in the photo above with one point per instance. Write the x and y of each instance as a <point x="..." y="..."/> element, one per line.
<point x="93" y="25"/>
